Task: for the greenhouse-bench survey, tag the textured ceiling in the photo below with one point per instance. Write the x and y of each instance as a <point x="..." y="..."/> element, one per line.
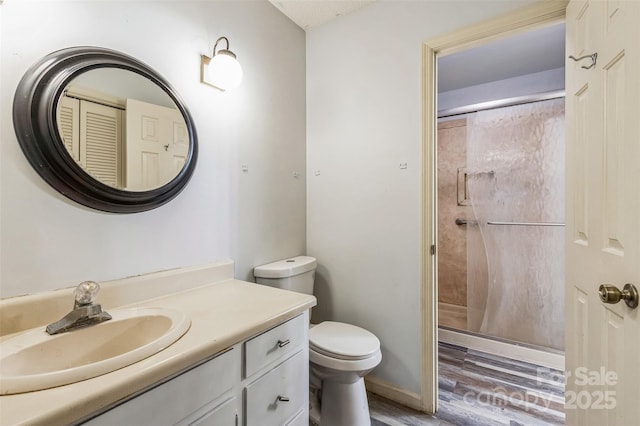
<point x="311" y="13"/>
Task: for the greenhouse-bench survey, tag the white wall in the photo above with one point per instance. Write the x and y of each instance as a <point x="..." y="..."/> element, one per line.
<point x="49" y="241"/>
<point x="363" y="210"/>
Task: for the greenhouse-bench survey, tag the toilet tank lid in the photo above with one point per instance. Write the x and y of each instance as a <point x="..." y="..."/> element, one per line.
<point x="286" y="268"/>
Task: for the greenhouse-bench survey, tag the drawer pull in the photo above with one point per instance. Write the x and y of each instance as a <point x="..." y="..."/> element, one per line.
<point x="282" y="399"/>
<point x="283" y="343"/>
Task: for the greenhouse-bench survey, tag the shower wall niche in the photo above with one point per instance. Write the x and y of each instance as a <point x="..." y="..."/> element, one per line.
<point x="500" y="230"/>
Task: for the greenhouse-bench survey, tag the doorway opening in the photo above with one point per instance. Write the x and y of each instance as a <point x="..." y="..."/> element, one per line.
<point x="500" y="184"/>
<point x="500" y="179"/>
<point x="535" y="17"/>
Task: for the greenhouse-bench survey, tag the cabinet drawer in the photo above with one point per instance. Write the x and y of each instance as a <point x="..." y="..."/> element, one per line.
<point x="275" y="344"/>
<point x="281" y="393"/>
<point x="178" y="398"/>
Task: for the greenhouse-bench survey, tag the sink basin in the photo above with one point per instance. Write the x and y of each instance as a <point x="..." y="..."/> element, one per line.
<point x="34" y="360"/>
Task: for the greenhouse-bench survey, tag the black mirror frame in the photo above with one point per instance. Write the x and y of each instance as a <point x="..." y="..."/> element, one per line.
<point x="35" y="122"/>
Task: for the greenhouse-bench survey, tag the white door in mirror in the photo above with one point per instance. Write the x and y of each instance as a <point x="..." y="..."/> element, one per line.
<point x="157" y="145"/>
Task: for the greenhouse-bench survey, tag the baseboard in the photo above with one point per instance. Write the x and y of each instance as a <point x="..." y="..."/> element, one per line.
<point x="454" y="316"/>
<point x="509" y="350"/>
<point x="394" y="393"/>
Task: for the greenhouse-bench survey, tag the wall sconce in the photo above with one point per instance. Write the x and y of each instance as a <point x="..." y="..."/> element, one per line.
<point x="222" y="70"/>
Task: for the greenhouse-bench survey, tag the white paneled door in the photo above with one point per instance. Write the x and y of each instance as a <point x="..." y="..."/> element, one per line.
<point x="603" y="211"/>
<point x="157" y="145"/>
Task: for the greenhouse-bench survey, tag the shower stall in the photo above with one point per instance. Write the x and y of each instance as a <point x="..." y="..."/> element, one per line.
<point x="500" y="223"/>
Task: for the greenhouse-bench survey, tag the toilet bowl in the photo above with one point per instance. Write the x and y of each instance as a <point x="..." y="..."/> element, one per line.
<point x="340" y="354"/>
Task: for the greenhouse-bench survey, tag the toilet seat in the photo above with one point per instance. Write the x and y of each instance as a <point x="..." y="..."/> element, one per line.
<point x="343" y="341"/>
<point x="316" y="358"/>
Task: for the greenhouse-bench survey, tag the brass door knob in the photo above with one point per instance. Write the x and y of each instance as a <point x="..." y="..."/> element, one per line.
<point x="611" y="294"/>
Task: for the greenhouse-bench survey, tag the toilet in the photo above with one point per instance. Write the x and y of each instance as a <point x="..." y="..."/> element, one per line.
<point x="340" y="354"/>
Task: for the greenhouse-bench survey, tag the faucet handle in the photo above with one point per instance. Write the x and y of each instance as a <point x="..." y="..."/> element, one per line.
<point x="85" y="292"/>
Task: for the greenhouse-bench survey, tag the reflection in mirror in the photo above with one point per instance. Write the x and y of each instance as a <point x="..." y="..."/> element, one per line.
<point x="122" y="129"/>
<point x="104" y="129"/>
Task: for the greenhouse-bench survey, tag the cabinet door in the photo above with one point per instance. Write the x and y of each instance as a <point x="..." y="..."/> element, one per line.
<point x="277" y="396"/>
<point x="224" y="415"/>
<point x="189" y="395"/>
<point x="301" y="419"/>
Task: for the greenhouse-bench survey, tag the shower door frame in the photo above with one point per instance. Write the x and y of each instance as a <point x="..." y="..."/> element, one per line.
<point x="528" y="18"/>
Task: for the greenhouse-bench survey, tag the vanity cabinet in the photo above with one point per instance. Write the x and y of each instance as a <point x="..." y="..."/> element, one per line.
<point x="262" y="381"/>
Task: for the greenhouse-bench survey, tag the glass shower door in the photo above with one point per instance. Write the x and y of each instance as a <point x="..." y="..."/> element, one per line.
<point x="515" y="241"/>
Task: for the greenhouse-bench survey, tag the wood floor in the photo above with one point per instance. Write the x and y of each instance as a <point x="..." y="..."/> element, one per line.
<point x="481" y="389"/>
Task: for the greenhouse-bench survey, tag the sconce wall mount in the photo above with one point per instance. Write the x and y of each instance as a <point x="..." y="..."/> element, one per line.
<point x="222" y="70"/>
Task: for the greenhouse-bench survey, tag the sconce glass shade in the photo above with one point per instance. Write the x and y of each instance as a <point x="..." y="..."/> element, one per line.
<point x="224" y="71"/>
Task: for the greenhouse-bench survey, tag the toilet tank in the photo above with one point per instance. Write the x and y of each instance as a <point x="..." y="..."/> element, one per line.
<point x="295" y="274"/>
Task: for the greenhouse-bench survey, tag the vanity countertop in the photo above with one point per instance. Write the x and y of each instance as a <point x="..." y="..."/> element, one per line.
<point x="222" y="314"/>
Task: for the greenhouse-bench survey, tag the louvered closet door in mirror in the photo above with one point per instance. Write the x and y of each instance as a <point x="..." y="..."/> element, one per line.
<point x="69" y="124"/>
<point x="101" y="141"/>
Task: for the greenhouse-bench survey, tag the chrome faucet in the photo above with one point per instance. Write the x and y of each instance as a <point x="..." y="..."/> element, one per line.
<point x="84" y="312"/>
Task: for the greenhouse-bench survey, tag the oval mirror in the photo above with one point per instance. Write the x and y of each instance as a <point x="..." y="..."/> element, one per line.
<point x="105" y="130"/>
